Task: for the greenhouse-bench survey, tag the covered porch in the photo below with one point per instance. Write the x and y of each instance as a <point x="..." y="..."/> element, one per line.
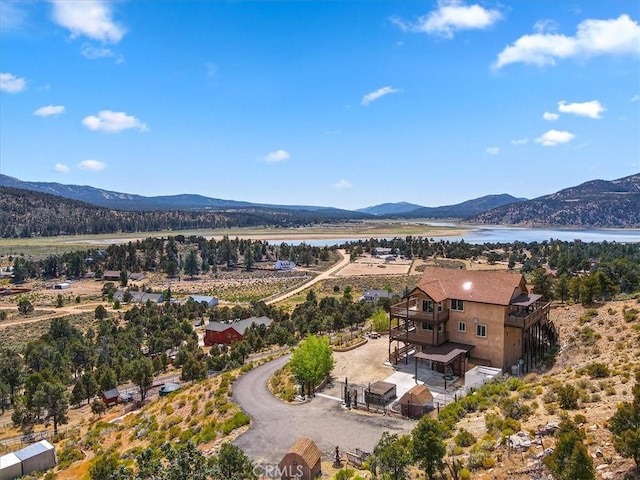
<point x="450" y="359"/>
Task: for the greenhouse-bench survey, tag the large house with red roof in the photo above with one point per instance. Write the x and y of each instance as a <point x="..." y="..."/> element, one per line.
<point x="455" y="317"/>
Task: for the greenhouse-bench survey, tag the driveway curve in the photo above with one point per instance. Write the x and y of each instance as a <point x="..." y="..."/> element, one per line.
<point x="276" y="425"/>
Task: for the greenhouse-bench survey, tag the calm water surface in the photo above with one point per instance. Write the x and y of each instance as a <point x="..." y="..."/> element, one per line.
<point x="498" y="234"/>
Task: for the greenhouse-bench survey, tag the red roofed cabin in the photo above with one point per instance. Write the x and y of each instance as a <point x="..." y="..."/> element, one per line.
<point x="486" y="317"/>
<point x="226" y="333"/>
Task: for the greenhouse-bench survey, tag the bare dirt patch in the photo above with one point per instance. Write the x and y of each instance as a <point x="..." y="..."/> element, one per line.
<point x="362" y="365"/>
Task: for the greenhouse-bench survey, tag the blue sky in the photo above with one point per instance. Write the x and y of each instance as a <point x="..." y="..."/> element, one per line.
<point x="334" y="103"/>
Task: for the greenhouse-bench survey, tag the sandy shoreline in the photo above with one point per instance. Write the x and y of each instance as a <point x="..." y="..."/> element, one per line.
<point x="292" y="235"/>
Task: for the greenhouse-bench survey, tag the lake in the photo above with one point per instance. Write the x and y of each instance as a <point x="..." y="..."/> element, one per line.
<point x="500" y="234"/>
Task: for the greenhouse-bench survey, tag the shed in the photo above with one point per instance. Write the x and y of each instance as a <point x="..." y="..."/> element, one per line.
<point x="137" y="276"/>
<point x="111" y="275"/>
<point x="416" y="402"/>
<point x="10" y="467"/>
<point x="168" y="388"/>
<point x="208" y="300"/>
<point x="284" y="265"/>
<point x="110" y="397"/>
<point x="302" y="461"/>
<point x="380" y="393"/>
<point x="37" y="457"/>
<point x="62" y="286"/>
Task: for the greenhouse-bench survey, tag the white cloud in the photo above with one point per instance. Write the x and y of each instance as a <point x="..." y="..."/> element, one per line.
<point x="88" y="18"/>
<point x="49" y="110"/>
<point x="61" y="168"/>
<point x="276" y="156"/>
<point x="91" y="165"/>
<point x="11" y="84"/>
<point x="545" y="25"/>
<point x="635" y="98"/>
<point x="520" y="141"/>
<point x="342" y="185"/>
<point x="112" y="122"/>
<point x="375" y="95"/>
<point x="550" y="116"/>
<point x="94" y="53"/>
<point x="593" y="37"/>
<point x="11" y="16"/>
<point x="591" y="109"/>
<point x="493" y="150"/>
<point x="554" y="137"/>
<point x="451" y="16"/>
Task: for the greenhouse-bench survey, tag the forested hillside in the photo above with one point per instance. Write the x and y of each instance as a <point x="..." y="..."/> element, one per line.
<point x="27" y="213"/>
<point x="599" y="203"/>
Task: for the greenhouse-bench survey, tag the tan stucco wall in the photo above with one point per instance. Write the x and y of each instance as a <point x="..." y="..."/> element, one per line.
<point x="512" y="346"/>
<point x="490" y="348"/>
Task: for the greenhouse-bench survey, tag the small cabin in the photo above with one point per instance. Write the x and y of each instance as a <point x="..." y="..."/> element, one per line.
<point x="302" y="461"/>
<point x="111" y="397"/>
<point x="416" y="402"/>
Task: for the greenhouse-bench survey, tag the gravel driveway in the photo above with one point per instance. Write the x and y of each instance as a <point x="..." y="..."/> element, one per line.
<point x="275" y="425"/>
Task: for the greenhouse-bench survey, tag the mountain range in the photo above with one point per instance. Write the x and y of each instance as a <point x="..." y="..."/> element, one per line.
<point x="187" y="202"/>
<point x="597" y="203"/>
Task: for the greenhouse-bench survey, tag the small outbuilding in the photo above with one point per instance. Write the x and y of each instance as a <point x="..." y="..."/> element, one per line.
<point x="208" y="300"/>
<point x="62" y="286"/>
<point x="10" y="467"/>
<point x="284" y="265"/>
<point x="37" y="457"/>
<point x="111" y="397"/>
<point x="416" y="402"/>
<point x="380" y="393"/>
<point x="302" y="461"/>
<point x="112" y="275"/>
<point x="168" y="388"/>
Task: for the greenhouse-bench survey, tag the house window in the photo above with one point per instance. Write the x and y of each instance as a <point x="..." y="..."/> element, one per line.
<point x="441" y="328"/>
<point x="440" y="306"/>
<point x="427" y="326"/>
<point x="457" y="305"/>
<point x="427" y="306"/>
<point x="462" y="327"/>
<point x="481" y="330"/>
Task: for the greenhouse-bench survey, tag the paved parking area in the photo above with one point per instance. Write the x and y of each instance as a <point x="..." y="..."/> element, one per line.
<point x="276" y="425"/>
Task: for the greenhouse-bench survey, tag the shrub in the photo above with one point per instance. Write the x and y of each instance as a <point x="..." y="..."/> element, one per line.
<point x="513" y="408"/>
<point x="630" y="315"/>
<point x="238" y="420"/>
<point x="598" y="370"/>
<point x="567" y="396"/>
<point x="68" y="455"/>
<point x="344" y="473"/>
<point x="464" y="438"/>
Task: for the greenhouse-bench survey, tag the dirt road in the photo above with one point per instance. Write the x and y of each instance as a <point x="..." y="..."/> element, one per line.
<point x="322" y="276"/>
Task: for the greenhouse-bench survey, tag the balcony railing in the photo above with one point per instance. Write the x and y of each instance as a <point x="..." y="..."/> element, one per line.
<point x="408" y="310"/>
<point x="418" y="336"/>
<point x="524" y="319"/>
